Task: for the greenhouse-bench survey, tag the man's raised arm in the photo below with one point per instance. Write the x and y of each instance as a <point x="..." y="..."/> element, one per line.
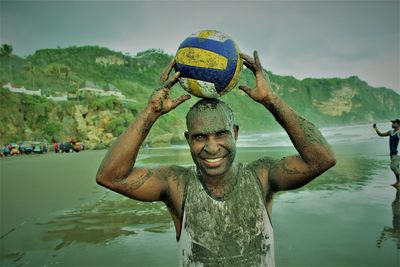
<point x="117" y="171"/>
<point x="382" y="134"/>
<point x="315" y="155"/>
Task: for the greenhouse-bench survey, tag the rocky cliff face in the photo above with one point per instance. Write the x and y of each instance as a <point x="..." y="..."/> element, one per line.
<point x="339" y="102"/>
<point x="34" y="118"/>
<point x="92" y="125"/>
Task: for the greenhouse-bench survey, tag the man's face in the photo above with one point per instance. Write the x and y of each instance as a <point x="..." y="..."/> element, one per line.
<point x="212" y="140"/>
<point x="395" y="125"/>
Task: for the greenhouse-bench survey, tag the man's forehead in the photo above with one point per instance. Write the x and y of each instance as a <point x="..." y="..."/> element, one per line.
<point x="209" y="122"/>
<point x="208" y="130"/>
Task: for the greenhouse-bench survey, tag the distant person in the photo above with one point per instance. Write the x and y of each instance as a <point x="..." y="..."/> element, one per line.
<point x="55" y="145"/>
<point x="394" y="137"/>
<point x="221" y="209"/>
<point x="6" y="150"/>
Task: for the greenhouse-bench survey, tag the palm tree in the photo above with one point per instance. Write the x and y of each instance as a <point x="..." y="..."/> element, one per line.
<point x="66" y="70"/>
<point x="6" y="50"/>
<point x="53" y="69"/>
<point x="31" y="69"/>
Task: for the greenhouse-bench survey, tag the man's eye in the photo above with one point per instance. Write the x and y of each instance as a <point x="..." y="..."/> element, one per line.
<point x="199" y="137"/>
<point x="222" y="134"/>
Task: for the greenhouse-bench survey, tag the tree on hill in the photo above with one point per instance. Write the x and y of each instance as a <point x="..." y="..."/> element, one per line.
<point x="65" y="70"/>
<point x="58" y="70"/>
<point x="6" y="50"/>
<point x="29" y="67"/>
<point x="53" y="70"/>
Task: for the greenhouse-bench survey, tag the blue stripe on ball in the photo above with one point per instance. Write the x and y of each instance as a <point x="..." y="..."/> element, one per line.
<point x="210" y="45"/>
<point x="209" y="75"/>
<point x="232" y="61"/>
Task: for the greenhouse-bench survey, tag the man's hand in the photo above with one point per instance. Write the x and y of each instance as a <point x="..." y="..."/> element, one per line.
<point x="161" y="102"/>
<point x="374" y="126"/>
<point x="263" y="92"/>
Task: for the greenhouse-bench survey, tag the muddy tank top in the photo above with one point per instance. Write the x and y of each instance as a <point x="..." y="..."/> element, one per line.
<point x="235" y="231"/>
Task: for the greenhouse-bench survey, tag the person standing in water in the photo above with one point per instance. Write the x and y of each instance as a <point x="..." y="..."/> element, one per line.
<point x="221" y="208"/>
<point x="394" y="137"/>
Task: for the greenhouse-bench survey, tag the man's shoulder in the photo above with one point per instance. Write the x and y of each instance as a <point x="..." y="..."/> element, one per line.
<point x="260" y="168"/>
<point x="262" y="163"/>
<point x="394" y="132"/>
<point x="177" y="173"/>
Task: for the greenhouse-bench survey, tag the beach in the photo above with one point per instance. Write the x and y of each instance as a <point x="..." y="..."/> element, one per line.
<point x="54" y="214"/>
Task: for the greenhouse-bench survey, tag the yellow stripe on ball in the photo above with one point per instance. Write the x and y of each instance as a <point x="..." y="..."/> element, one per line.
<point x="206" y="33"/>
<point x="197" y="57"/>
<point x="194" y="87"/>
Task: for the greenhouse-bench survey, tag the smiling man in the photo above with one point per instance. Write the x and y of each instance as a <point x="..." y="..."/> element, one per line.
<point x="221" y="208"/>
<point x="211" y="121"/>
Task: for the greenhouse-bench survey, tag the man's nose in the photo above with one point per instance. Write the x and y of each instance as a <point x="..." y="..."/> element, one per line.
<point x="211" y="146"/>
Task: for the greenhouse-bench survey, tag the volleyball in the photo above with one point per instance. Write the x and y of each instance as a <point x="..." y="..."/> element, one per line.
<point x="209" y="64"/>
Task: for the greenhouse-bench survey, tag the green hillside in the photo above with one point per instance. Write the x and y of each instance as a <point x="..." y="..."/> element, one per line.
<point x="98" y="120"/>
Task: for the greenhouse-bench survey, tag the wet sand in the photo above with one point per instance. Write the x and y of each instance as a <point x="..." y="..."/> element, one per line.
<point x="54" y="214"/>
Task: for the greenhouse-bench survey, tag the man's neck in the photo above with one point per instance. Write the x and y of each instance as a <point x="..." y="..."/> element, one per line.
<point x="219" y="181"/>
<point x="220" y="186"/>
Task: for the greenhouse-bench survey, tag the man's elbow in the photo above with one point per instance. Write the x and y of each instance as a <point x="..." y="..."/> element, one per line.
<point x="328" y="161"/>
<point x="331" y="162"/>
<point x="102" y="180"/>
<point x="99" y="179"/>
<point x="323" y="161"/>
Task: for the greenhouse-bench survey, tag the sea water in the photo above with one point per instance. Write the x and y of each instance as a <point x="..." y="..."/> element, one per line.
<point x="54" y="214"/>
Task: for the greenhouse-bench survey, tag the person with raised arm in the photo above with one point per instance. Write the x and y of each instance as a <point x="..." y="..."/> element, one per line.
<point x="221" y="208"/>
<point x="394" y="137"/>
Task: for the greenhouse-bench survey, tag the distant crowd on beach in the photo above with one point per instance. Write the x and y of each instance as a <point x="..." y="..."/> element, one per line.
<point x="66" y="147"/>
<point x="34" y="147"/>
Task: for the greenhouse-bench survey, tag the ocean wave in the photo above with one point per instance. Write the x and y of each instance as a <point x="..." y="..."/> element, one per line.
<point x="334" y="135"/>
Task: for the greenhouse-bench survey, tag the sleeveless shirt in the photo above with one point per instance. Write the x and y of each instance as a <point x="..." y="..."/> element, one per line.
<point x="394" y="142"/>
<point x="234" y="231"/>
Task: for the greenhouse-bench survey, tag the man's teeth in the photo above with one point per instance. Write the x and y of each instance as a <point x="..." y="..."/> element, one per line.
<point x="213" y="160"/>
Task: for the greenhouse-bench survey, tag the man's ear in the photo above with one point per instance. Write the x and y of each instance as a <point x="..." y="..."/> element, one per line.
<point x="236" y="131"/>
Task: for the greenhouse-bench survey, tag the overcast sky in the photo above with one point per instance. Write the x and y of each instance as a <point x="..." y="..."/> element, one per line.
<point x="298" y="38"/>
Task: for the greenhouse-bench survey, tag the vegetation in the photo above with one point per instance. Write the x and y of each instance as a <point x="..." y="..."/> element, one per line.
<point x="98" y="120"/>
<point x="6" y="51"/>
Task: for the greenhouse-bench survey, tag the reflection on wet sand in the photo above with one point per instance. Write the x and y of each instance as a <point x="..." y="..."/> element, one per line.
<point x="394" y="231"/>
<point x="105" y="221"/>
<point x="14" y="257"/>
<point x="350" y="174"/>
<point x="110" y="218"/>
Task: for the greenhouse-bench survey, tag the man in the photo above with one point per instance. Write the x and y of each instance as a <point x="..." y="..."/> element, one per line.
<point x="394" y="136"/>
<point x="221" y="209"/>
